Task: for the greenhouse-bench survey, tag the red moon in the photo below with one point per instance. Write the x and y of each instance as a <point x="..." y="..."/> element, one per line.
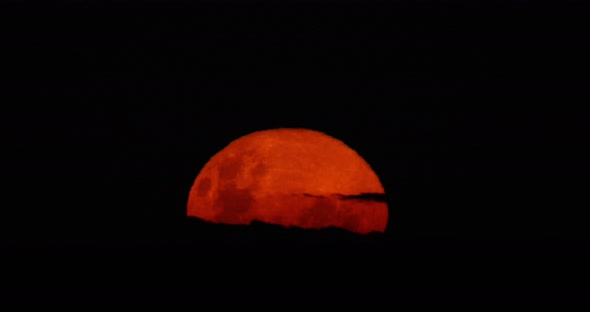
<point x="290" y="177"/>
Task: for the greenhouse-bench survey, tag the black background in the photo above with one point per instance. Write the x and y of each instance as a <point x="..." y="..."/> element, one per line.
<point x="471" y="113"/>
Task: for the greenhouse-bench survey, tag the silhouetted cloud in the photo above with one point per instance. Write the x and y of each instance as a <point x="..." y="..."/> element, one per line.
<point x="378" y="197"/>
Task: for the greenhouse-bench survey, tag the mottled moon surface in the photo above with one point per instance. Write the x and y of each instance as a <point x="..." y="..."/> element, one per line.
<point x="290" y="177"/>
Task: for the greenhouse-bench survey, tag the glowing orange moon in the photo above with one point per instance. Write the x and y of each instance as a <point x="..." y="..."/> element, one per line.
<point x="290" y="177"/>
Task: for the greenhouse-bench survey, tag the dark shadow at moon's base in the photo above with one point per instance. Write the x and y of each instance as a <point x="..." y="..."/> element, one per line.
<point x="203" y="254"/>
<point x="194" y="227"/>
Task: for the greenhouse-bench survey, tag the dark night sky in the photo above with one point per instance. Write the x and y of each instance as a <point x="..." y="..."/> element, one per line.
<point x="460" y="108"/>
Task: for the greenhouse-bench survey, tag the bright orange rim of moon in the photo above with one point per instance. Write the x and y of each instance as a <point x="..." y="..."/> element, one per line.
<point x="290" y="177"/>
